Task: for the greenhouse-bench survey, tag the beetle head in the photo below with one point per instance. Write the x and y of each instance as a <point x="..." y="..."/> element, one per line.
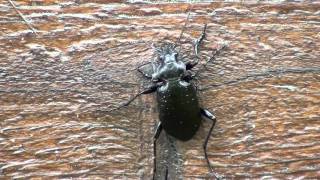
<point x="167" y="53"/>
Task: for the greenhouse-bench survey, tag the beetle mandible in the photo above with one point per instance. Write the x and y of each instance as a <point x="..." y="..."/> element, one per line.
<point x="179" y="111"/>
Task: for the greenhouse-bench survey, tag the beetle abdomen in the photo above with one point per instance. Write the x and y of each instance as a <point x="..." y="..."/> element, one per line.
<point x="179" y="110"/>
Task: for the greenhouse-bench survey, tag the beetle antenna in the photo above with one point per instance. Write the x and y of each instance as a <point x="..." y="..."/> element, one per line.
<point x="183" y="29"/>
<point x="22" y="17"/>
<point x="156" y="48"/>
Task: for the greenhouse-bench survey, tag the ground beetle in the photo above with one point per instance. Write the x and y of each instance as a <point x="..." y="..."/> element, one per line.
<point x="179" y="111"/>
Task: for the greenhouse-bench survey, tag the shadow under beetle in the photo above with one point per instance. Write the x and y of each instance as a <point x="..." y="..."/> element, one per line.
<point x="179" y="111"/>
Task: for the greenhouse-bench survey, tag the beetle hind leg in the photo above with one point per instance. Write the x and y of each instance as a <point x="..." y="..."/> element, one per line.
<point x="210" y="116"/>
<point x="155" y="138"/>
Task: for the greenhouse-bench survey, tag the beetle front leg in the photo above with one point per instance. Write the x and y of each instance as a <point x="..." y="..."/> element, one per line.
<point x="187" y="76"/>
<point x="191" y="64"/>
<point x="199" y="40"/>
<point x="143" y="73"/>
<point x="213" y="57"/>
<point x="210" y="116"/>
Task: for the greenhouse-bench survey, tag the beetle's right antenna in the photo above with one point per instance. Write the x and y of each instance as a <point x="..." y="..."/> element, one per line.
<point x="22" y="17"/>
<point x="182" y="31"/>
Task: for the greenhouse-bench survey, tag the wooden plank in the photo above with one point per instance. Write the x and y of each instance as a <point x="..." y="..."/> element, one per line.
<point x="55" y="90"/>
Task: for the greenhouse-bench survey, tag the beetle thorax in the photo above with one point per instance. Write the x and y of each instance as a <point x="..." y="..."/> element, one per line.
<point x="170" y="68"/>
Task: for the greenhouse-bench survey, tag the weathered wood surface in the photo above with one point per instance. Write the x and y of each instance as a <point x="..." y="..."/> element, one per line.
<point x="56" y="87"/>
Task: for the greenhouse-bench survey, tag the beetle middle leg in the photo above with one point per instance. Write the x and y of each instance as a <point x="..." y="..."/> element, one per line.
<point x="210" y="116"/>
<point x="149" y="90"/>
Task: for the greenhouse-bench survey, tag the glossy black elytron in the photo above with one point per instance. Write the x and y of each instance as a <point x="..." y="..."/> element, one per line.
<point x="179" y="110"/>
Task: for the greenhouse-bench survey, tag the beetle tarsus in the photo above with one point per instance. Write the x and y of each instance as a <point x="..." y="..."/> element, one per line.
<point x="210" y="116"/>
<point x="155" y="138"/>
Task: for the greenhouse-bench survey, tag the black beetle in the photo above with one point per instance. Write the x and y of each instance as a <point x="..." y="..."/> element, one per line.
<point x="179" y="109"/>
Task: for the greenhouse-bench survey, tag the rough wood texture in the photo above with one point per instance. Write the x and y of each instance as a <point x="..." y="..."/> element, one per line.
<point x="55" y="89"/>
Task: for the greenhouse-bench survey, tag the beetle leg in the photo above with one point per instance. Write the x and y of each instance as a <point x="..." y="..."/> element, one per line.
<point x="143" y="73"/>
<point x="155" y="138"/>
<point x="167" y="171"/>
<point x="190" y="64"/>
<point x="213" y="57"/>
<point x="210" y="116"/>
<point x="187" y="76"/>
<point x="151" y="89"/>
<point x="199" y="40"/>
